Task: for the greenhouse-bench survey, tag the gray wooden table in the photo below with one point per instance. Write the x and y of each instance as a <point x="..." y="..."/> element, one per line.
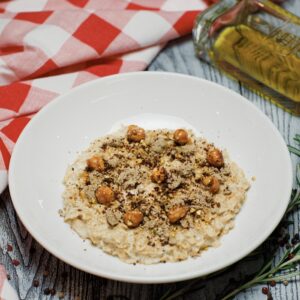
<point x="39" y="265"/>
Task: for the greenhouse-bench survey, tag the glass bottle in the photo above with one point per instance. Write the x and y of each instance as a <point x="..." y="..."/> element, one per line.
<point x="255" y="42"/>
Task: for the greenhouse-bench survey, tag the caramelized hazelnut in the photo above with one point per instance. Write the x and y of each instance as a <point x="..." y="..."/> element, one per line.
<point x="96" y="163"/>
<point x="213" y="183"/>
<point x="135" y="133"/>
<point x="133" y="218"/>
<point x="177" y="213"/>
<point x="215" y="158"/>
<point x="181" y="137"/>
<point x="105" y="195"/>
<point x="159" y="175"/>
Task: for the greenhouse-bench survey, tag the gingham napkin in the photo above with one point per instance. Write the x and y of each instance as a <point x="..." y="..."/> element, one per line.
<point x="48" y="47"/>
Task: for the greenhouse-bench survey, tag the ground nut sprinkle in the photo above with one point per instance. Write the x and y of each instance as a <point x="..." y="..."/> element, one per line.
<point x="150" y="196"/>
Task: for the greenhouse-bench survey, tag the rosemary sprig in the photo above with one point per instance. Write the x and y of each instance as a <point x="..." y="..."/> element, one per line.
<point x="276" y="273"/>
<point x="295" y="199"/>
<point x="294" y="149"/>
<point x="286" y="268"/>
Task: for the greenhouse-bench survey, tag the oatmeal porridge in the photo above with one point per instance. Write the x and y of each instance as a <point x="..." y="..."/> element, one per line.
<point x="150" y="196"/>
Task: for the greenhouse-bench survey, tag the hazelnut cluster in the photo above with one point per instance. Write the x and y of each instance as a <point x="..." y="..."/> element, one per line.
<point x="133" y="218"/>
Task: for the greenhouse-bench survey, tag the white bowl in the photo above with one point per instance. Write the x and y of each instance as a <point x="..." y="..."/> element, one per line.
<point x="56" y="135"/>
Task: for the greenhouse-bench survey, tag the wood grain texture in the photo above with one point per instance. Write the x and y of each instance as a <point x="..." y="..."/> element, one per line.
<point x="37" y="264"/>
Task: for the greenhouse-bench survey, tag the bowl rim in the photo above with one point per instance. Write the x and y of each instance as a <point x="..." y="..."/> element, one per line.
<point x="135" y="279"/>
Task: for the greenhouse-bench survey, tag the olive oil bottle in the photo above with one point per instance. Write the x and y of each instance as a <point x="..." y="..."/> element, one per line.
<point x="257" y="43"/>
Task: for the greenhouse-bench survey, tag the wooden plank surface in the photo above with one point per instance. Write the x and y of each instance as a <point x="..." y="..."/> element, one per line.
<point x="37" y="264"/>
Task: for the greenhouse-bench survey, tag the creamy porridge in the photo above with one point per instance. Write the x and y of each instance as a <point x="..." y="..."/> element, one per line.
<point x="150" y="196"/>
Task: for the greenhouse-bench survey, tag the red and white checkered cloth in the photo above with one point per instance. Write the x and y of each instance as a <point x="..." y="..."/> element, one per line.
<point x="48" y="47"/>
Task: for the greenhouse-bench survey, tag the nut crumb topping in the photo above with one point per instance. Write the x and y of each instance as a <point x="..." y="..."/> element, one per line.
<point x="159" y="175"/>
<point x="160" y="183"/>
<point x="156" y="181"/>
